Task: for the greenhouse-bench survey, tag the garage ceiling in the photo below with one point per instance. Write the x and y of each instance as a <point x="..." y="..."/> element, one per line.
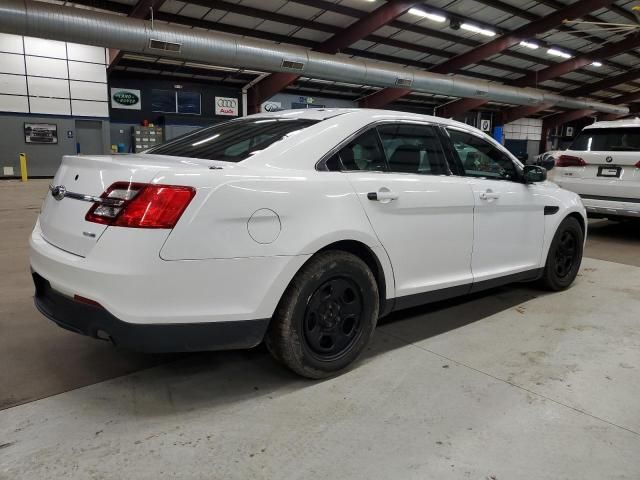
<point x="409" y="39"/>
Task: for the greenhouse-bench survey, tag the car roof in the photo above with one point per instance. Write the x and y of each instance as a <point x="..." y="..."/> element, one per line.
<point x="366" y="113"/>
<point x="627" y="123"/>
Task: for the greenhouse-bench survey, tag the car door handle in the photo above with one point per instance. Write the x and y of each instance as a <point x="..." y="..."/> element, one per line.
<point x="489" y="195"/>
<point x="382" y="196"/>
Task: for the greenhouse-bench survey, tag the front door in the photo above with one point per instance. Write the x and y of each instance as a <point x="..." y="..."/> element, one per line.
<point x="509" y="215"/>
<point x="421" y="214"/>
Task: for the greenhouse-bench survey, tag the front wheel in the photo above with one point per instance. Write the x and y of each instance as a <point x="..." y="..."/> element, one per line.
<point x="326" y="317"/>
<point x="565" y="255"/>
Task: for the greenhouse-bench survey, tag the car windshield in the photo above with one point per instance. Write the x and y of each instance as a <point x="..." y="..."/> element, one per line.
<point x="231" y="141"/>
<point x="607" y="139"/>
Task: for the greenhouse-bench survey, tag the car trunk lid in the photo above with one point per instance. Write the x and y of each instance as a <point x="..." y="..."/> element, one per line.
<point x="82" y="178"/>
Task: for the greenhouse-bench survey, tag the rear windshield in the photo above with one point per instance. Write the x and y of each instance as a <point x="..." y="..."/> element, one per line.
<point x="607" y="139"/>
<point x="231" y="141"/>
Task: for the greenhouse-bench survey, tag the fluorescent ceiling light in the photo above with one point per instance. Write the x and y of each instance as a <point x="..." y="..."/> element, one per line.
<point x="431" y="16"/>
<point x="558" y="53"/>
<point x="476" y="29"/>
<point x="596" y="64"/>
<point x="530" y="45"/>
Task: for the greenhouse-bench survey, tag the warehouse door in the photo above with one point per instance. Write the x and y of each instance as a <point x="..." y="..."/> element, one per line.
<point x="89" y="137"/>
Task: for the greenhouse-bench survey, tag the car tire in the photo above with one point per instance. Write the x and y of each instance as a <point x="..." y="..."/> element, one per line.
<point x="565" y="256"/>
<point x="326" y="317"/>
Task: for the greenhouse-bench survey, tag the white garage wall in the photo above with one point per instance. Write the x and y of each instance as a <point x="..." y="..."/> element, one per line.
<point x="55" y="78"/>
<point x="524" y="129"/>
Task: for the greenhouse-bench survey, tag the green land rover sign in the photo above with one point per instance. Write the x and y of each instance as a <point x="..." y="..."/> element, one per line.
<point x="125" y="98"/>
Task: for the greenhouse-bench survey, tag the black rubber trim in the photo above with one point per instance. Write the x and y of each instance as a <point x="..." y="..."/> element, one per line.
<point x="97" y="322"/>
<point x="611" y="199"/>
<point x="526" y="276"/>
<point x="409" y="301"/>
<point x="551" y="210"/>
<point x="417" y="299"/>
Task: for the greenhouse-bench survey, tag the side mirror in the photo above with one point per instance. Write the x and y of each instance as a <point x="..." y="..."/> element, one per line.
<point x="534" y="174"/>
<point x="548" y="162"/>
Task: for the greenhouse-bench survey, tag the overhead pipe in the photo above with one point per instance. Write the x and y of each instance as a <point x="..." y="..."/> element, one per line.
<point x="56" y="22"/>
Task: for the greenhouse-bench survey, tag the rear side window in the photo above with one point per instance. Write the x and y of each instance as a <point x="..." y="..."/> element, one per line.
<point x="413" y="149"/>
<point x="362" y="153"/>
<point x="607" y="139"/>
<point x="231" y="141"/>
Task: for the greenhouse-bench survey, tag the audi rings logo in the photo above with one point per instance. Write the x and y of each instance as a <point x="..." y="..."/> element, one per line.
<point x="227" y="103"/>
<point x="227" y="106"/>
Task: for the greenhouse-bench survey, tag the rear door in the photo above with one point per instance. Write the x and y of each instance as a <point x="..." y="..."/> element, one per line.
<point x="509" y="215"/>
<point x="603" y="164"/>
<point x="422" y="215"/>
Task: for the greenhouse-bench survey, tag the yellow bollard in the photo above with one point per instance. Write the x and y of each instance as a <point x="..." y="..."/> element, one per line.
<point x="23" y="167"/>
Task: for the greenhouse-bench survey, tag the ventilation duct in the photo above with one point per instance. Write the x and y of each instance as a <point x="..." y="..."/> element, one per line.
<point x="55" y="22"/>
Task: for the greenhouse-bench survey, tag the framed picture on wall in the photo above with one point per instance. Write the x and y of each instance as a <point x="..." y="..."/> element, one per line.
<point x="40" y="133"/>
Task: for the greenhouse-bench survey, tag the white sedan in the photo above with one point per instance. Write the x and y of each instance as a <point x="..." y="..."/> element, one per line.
<point x="300" y="228"/>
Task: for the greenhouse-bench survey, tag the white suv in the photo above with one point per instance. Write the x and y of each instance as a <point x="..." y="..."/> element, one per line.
<point x="603" y="167"/>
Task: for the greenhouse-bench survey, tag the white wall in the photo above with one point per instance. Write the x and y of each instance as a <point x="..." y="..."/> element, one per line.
<point x="524" y="129"/>
<point x="56" y="78"/>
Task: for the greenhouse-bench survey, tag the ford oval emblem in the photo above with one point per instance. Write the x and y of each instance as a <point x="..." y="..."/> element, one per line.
<point x="609" y="159"/>
<point x="58" y="192"/>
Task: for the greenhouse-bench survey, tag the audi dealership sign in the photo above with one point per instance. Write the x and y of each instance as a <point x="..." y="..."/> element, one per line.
<point x="227" y="106"/>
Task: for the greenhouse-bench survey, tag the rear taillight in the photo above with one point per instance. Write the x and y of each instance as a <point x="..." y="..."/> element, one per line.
<point x="141" y="205"/>
<point x="570" y="161"/>
<point x="638" y="164"/>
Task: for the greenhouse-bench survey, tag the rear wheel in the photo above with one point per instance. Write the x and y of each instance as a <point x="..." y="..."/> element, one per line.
<point x="326" y="317"/>
<point x="565" y="255"/>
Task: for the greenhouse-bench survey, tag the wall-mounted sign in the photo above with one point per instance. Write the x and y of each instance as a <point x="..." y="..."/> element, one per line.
<point x="485" y="125"/>
<point x="40" y="133"/>
<point x="569" y="132"/>
<point x="226" y="106"/>
<point x="69" y="133"/>
<point x="271" y="106"/>
<point x="126" y="98"/>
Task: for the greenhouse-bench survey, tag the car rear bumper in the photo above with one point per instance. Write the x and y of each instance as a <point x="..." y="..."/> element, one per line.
<point x="611" y="206"/>
<point x="95" y="321"/>
<point x="125" y="275"/>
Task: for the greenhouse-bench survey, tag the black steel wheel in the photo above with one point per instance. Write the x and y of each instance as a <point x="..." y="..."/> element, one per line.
<point x="565" y="255"/>
<point x="327" y="315"/>
<point x="332" y="321"/>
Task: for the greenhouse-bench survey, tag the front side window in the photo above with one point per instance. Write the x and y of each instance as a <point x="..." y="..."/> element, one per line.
<point x="607" y="140"/>
<point x="363" y="153"/>
<point x="231" y="141"/>
<point x="481" y="159"/>
<point x="413" y="149"/>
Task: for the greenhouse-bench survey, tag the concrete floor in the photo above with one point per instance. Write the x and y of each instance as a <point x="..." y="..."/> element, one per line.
<point x="510" y="384"/>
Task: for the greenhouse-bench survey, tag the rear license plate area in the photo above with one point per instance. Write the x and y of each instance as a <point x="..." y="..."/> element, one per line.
<point x="613" y="172"/>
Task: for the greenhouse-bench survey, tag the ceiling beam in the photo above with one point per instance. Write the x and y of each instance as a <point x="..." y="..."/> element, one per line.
<point x="633" y="110"/>
<point x="360" y="29"/>
<point x="605" y="83"/>
<point x="493" y="47"/>
<point x="612" y="49"/>
<point x="549" y="73"/>
<point x="519" y="112"/>
<point x="526" y="32"/>
<point x="565" y="117"/>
